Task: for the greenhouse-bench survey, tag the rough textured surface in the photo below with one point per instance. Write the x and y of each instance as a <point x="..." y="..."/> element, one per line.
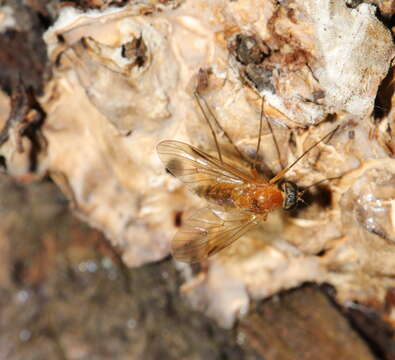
<point x="65" y="293"/>
<point x="23" y="49"/>
<point x="123" y="80"/>
<point x="64" y="289"/>
<point x="282" y="329"/>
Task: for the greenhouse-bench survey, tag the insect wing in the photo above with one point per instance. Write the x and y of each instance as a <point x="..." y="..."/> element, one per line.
<point x="207" y="232"/>
<point x="195" y="167"/>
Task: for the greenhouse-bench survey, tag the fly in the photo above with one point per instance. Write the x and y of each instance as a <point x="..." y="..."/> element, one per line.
<point x="238" y="199"/>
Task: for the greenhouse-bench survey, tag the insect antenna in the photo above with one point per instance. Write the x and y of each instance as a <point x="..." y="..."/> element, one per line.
<point x="321" y="181"/>
<point x="284" y="171"/>
<point x="301" y="192"/>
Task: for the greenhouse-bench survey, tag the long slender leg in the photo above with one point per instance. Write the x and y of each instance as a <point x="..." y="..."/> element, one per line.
<point x="284" y="171"/>
<point x="259" y="137"/>
<point x="269" y="125"/>
<point x="319" y="154"/>
<point x="209" y="124"/>
<point x="224" y="132"/>
<point x="217" y="123"/>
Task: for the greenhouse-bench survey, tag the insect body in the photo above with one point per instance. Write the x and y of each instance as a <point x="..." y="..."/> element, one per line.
<point x="238" y="199"/>
<point x="219" y="183"/>
<point x="256" y="197"/>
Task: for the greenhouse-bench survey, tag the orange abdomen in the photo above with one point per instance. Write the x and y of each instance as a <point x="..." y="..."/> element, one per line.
<point x="258" y="198"/>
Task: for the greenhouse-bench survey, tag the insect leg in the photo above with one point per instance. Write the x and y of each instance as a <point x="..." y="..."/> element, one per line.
<point x="284" y="171"/>
<point x="224" y="132"/>
<point x="269" y="125"/>
<point x="197" y="97"/>
<point x="319" y="154"/>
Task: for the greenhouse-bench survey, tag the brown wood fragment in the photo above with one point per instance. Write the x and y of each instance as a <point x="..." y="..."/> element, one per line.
<point x="374" y="323"/>
<point x="303" y="325"/>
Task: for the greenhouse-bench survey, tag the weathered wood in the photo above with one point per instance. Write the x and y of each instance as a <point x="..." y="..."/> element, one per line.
<point x="304" y="325"/>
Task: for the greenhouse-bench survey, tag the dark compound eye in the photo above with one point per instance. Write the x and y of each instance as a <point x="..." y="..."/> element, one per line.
<point x="291" y="195"/>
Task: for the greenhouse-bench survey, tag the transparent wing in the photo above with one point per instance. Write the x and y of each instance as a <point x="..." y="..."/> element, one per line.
<point x="195" y="167"/>
<point x="207" y="232"/>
